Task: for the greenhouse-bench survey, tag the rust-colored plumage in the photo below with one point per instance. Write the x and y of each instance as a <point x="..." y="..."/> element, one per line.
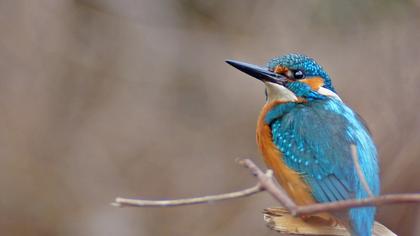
<point x="287" y="177"/>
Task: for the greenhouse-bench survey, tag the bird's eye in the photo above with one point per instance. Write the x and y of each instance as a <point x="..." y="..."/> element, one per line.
<point x="298" y="74"/>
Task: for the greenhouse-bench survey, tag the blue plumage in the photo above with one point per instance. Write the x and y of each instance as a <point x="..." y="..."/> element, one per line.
<point x="315" y="138"/>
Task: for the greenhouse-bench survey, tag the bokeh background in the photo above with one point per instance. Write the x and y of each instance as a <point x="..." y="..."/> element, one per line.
<point x="100" y="99"/>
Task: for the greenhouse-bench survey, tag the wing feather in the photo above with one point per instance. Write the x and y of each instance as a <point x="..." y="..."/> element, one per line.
<point x="315" y="140"/>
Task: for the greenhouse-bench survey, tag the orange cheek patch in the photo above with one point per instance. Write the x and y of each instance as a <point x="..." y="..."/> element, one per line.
<point x="314" y="82"/>
<point x="280" y="69"/>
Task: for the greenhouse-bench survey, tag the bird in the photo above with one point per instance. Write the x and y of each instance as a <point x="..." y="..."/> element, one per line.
<point x="305" y="133"/>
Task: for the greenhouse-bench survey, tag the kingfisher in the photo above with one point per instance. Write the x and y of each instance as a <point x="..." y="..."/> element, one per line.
<point x="305" y="133"/>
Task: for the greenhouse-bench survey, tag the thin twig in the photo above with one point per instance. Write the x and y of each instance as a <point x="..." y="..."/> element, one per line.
<point x="362" y="177"/>
<point x="281" y="196"/>
<point x="266" y="183"/>
<point x="123" y="202"/>
<point x="387" y="199"/>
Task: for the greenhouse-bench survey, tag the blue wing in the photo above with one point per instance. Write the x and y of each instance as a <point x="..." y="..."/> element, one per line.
<point x="315" y="139"/>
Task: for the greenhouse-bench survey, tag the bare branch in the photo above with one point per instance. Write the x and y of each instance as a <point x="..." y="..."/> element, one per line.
<point x="387" y="199"/>
<point x="266" y="183"/>
<point x="281" y="196"/>
<point x="125" y="202"/>
<point x="362" y="178"/>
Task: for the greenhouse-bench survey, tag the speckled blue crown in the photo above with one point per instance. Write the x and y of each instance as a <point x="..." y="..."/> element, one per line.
<point x="301" y="62"/>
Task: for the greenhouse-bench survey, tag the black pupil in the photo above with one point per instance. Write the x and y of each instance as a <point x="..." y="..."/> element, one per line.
<point x="298" y="74"/>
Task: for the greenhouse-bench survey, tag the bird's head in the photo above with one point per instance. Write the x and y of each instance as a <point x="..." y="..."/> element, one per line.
<point x="290" y="76"/>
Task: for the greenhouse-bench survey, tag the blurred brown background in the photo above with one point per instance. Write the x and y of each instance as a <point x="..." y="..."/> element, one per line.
<point x="129" y="98"/>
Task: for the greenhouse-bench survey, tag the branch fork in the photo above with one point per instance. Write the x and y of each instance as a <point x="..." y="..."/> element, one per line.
<point x="266" y="183"/>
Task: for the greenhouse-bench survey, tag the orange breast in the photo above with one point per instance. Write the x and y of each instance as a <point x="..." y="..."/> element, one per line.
<point x="289" y="179"/>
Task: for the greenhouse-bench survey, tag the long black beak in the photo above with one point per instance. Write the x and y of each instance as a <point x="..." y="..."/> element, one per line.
<point x="260" y="73"/>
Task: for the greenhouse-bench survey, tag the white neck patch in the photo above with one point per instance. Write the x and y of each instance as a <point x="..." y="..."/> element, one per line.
<point x="278" y="92"/>
<point x="329" y="93"/>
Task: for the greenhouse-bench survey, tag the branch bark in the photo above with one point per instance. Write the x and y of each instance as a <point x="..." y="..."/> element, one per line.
<point x="286" y="222"/>
<point x="266" y="183"/>
<point x="125" y="202"/>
